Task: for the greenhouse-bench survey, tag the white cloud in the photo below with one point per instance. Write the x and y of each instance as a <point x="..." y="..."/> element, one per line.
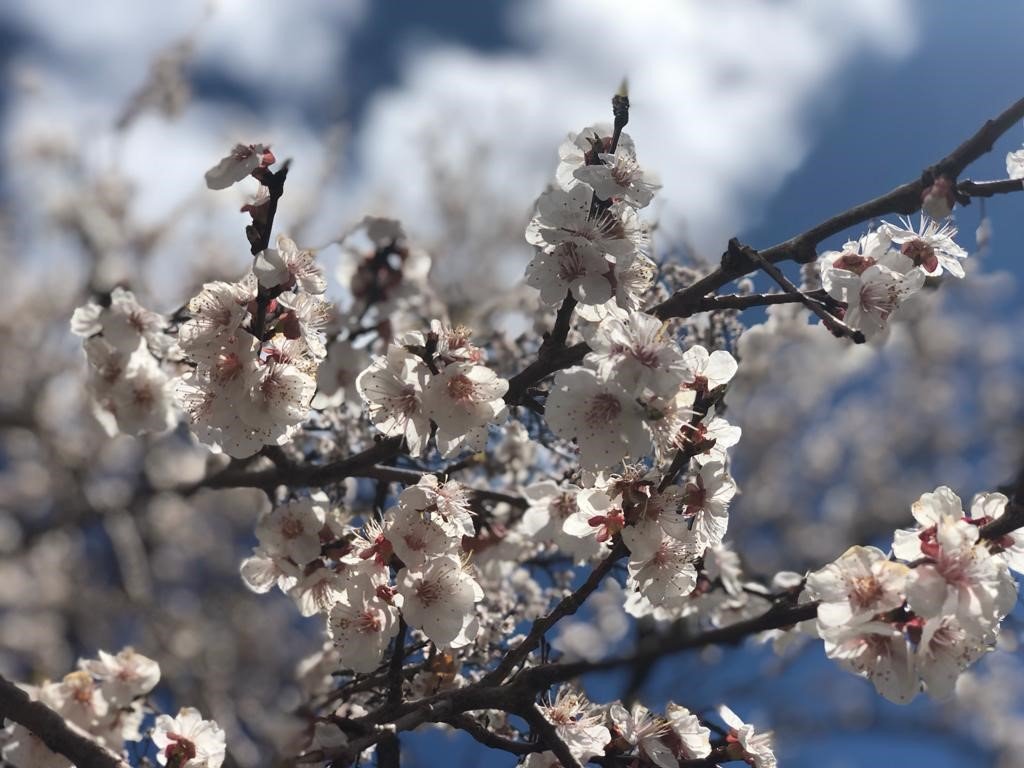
<point x="723" y="98"/>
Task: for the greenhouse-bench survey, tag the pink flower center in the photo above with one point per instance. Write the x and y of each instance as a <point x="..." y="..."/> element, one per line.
<point x="604" y="409"/>
<point x="865" y="591"/>
<point x="699" y="385"/>
<point x="929" y="542"/>
<point x="694" y="498"/>
<point x="853" y="262"/>
<point x="607" y="525"/>
<point x="228" y="366"/>
<point x="570" y="265"/>
<point x="921" y="253"/>
<point x="369" y="622"/>
<point x="563" y="505"/>
<point x="460" y="388"/>
<point x="428" y="592"/>
<point x="179" y="751"/>
<point x="291" y="528"/>
<point x="380" y="550"/>
<point x="406" y="402"/>
<point x="143" y="397"/>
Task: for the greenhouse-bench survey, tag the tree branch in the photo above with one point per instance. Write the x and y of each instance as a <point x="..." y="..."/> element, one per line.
<point x="904" y="199"/>
<point x="989" y="188"/>
<point x="568" y="606"/>
<point x="54" y="731"/>
<point x="489" y="738"/>
<point x="549" y="736"/>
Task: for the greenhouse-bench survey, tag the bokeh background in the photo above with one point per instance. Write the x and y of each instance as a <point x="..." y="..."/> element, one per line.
<point x="761" y="118"/>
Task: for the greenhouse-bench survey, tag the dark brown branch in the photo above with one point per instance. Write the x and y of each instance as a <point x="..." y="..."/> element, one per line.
<point x="491" y="739"/>
<point x="904" y="199"/>
<point x="54" y="731"/>
<point x="395" y="667"/>
<point x="836" y="326"/>
<point x="665" y="645"/>
<point x="568" y="606"/>
<point x="563" y="321"/>
<point x="989" y="188"/>
<point x="543" y="367"/>
<point x="1012" y="519"/>
<point x="549" y="736"/>
<point x="307" y="476"/>
<point x="259" y="234"/>
<point x="751" y="300"/>
<point x="389" y="753"/>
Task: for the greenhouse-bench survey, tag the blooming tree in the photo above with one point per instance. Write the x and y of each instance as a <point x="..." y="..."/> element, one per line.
<point x="440" y="498"/>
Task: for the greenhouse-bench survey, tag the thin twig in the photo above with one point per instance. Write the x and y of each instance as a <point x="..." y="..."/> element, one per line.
<point x="568" y="606"/>
<point x="830" y="321"/>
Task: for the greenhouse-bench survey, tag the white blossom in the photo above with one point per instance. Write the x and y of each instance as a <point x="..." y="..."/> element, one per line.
<point x="243" y="160"/>
<point x="878" y="651"/>
<point x="643" y="731"/>
<point x="361" y="630"/>
<point x="447" y="504"/>
<point x="856" y="587"/>
<point x="636" y="354"/>
<point x="619" y="177"/>
<point x="1015" y="164"/>
<point x="930" y="247"/>
<point x="392" y="388"/>
<point x="292" y="530"/>
<point x="438" y="598"/>
<point x="703" y="505"/>
<point x="605" y="420"/>
<point x="694" y="738"/>
<point x="550" y="505"/>
<point x="874" y="295"/>
<point x="217" y="313"/>
<point x="704" y="372"/>
<point x="578" y="724"/>
<point x="570" y="266"/>
<point x="124" y="675"/>
<point x="192" y="741"/>
<point x="123" y="323"/>
<point x="961" y="578"/>
<point x="289" y="268"/>
<point x="463" y="399"/>
<point x="755" y="748"/>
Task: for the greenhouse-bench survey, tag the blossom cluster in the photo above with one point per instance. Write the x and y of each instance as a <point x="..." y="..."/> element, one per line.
<point x="639" y="736"/>
<point x="434" y="379"/>
<point x="242" y="366"/>
<point x="588" y="236"/>
<point x="256" y="346"/>
<point x="104" y="698"/>
<point x="876" y="273"/>
<point x="124" y="345"/>
<point x="411" y="563"/>
<point x="921" y="617"/>
<point x="447" y="582"/>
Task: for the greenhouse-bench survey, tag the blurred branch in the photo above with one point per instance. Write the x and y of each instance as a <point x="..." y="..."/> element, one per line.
<point x="55" y="732"/>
